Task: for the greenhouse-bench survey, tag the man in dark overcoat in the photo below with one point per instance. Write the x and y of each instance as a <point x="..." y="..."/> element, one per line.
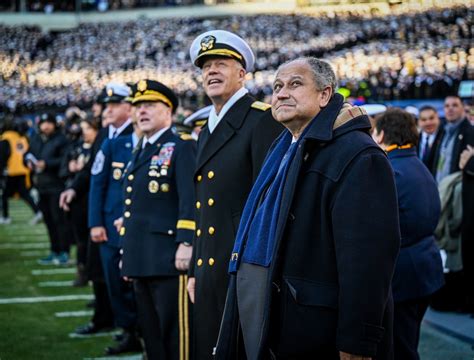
<point x="319" y="236"/>
<point x="231" y="148"/>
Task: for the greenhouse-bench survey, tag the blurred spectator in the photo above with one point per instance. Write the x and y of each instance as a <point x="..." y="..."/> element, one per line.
<point x="411" y="55"/>
<point x="44" y="159"/>
<point x="431" y="133"/>
<point x="456" y="185"/>
<point x="419" y="271"/>
<point x="17" y="174"/>
<point x="76" y="158"/>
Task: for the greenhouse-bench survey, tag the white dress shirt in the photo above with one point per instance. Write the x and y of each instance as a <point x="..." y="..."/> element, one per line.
<point x="214" y="119"/>
<point x="114" y="132"/>
<point x="154" y="138"/>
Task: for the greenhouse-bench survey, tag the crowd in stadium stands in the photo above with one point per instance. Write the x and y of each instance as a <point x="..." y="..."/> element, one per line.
<point x="50" y="6"/>
<point x="419" y="55"/>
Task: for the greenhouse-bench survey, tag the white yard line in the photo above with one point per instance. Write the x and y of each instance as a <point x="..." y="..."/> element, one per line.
<point x="55" y="284"/>
<point x="99" y="334"/>
<point x="68" y="314"/>
<point x="41" y="299"/>
<point x="38" y="272"/>
<point x="33" y="253"/>
<point x="129" y="357"/>
<point x="18" y="246"/>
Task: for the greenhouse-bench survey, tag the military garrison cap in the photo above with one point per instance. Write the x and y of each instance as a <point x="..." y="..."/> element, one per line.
<point x="199" y="117"/>
<point x="221" y="43"/>
<point x="154" y="91"/>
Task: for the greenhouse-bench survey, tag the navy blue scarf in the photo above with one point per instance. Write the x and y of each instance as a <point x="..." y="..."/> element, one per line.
<point x="256" y="234"/>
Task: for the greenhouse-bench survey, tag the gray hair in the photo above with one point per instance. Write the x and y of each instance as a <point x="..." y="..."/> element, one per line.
<point x="323" y="73"/>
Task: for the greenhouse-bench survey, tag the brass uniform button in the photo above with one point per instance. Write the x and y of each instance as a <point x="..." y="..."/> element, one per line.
<point x="211" y="230"/>
<point x="199" y="177"/>
<point x="122" y="231"/>
<point x="211" y="261"/>
<point x="199" y="262"/>
<point x="127" y="214"/>
<point x="129" y="189"/>
<point x="198" y="205"/>
<point x="198" y="232"/>
<point x="128" y="201"/>
<point x="210" y="174"/>
<point x="210" y="202"/>
<point x="130" y="177"/>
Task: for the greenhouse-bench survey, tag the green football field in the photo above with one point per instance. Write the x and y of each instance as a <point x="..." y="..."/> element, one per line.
<point x="39" y="308"/>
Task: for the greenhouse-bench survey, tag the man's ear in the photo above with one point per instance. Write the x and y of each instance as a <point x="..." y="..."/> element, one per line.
<point x="242" y="74"/>
<point x="325" y="96"/>
<point x="378" y="137"/>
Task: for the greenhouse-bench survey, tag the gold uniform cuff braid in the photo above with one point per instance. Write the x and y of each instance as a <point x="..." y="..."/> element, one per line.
<point x="186" y="225"/>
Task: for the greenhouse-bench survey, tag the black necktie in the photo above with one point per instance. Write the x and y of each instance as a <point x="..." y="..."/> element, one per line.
<point x="426" y="149"/>
<point x="145" y="150"/>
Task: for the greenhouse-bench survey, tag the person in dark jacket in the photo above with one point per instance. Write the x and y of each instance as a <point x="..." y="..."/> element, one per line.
<point x="102" y="318"/>
<point x="44" y="159"/>
<point x="75" y="160"/>
<point x="431" y="133"/>
<point x="419" y="270"/>
<point x="319" y="236"/>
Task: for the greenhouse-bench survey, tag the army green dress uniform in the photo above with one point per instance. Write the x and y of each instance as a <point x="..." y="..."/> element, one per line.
<point x="158" y="216"/>
<point x="228" y="162"/>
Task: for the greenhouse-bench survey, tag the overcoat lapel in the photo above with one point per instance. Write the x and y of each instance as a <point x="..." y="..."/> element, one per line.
<point x="232" y="121"/>
<point x="140" y="160"/>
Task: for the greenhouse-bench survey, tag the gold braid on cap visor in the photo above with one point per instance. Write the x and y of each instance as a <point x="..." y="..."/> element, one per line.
<point x="222" y="52"/>
<point x="152" y="95"/>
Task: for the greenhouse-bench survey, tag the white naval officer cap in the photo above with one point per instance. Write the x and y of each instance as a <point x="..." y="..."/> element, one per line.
<point x="374" y="109"/>
<point x="199" y="117"/>
<point x="116" y="92"/>
<point x="221" y="43"/>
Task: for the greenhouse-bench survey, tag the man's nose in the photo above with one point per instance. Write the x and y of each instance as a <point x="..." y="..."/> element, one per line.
<point x="283" y="93"/>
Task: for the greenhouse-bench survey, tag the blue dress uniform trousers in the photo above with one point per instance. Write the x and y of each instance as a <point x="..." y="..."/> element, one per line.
<point x="105" y="206"/>
<point x="158" y="217"/>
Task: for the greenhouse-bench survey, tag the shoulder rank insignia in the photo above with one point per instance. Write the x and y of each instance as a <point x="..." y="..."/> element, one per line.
<point x="186" y="137"/>
<point x="260" y="105"/>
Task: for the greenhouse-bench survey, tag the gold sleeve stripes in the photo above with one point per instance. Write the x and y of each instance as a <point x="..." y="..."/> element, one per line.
<point x="186" y="225"/>
<point x="183" y="304"/>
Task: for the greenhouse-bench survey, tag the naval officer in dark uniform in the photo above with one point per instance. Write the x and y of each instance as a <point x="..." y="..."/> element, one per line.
<point x="231" y="149"/>
<point x="158" y="223"/>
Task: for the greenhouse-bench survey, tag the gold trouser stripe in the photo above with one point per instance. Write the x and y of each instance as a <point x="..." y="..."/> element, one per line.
<point x="186" y="224"/>
<point x="186" y="318"/>
<point x="181" y="315"/>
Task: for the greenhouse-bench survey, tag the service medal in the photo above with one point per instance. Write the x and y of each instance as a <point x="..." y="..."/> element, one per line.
<point x="165" y="187"/>
<point x="153" y="186"/>
<point x="117" y="174"/>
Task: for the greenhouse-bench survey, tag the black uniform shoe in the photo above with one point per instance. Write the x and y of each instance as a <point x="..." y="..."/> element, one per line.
<point x="129" y="343"/>
<point x="91" y="328"/>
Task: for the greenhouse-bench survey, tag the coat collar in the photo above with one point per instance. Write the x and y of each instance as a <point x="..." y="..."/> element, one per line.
<point x="398" y="153"/>
<point x="232" y="121"/>
<point x="322" y="126"/>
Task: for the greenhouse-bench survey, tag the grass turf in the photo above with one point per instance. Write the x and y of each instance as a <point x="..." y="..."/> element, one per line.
<point x="32" y="331"/>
